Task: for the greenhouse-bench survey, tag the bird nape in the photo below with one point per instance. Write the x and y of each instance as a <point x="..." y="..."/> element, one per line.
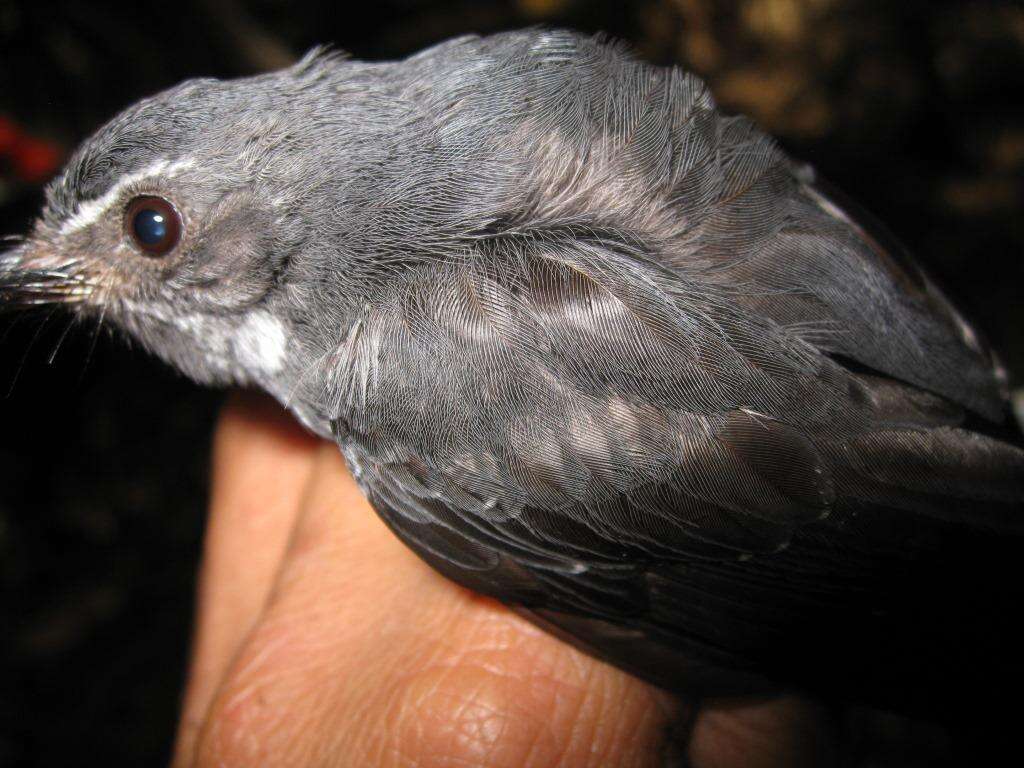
<point x="588" y="345"/>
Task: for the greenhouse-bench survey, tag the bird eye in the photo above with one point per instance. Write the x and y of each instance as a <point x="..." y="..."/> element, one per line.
<point x="153" y="224"/>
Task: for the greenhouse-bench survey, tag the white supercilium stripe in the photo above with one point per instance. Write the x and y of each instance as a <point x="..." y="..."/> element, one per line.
<point x="90" y="211"/>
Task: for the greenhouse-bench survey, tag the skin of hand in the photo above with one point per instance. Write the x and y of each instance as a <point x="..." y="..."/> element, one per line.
<point x="322" y="641"/>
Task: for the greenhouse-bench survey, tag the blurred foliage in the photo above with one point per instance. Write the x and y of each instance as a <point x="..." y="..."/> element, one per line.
<point x="914" y="108"/>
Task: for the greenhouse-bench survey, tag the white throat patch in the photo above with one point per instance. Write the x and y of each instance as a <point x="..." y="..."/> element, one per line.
<point x="261" y="342"/>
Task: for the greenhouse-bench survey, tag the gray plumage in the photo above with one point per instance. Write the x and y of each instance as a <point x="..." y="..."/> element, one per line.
<point x="588" y="346"/>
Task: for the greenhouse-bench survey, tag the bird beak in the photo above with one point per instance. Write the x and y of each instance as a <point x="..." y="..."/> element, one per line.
<point x="31" y="277"/>
<point x="11" y="275"/>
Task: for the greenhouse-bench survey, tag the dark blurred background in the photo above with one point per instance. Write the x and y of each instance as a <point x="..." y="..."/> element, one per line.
<point x="914" y="108"/>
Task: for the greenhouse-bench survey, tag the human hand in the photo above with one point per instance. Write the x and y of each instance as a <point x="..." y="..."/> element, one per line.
<point x="322" y="641"/>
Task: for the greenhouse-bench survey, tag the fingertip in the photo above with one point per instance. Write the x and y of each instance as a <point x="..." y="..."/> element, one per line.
<point x="262" y="462"/>
<point x="254" y="421"/>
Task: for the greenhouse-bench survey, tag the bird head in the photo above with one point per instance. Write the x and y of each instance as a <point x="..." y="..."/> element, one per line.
<point x="176" y="222"/>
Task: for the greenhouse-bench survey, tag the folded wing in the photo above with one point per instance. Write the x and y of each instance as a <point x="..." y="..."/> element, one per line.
<point x="560" y="421"/>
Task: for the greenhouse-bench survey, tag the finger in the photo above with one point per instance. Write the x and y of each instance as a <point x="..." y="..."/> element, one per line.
<point x="785" y="732"/>
<point x="366" y="657"/>
<point x="261" y="465"/>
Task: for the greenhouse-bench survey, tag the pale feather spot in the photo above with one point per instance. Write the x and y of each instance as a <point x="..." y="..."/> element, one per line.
<point x="261" y="342"/>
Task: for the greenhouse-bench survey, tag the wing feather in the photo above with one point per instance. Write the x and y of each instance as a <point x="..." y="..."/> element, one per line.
<point x="598" y="442"/>
<point x="673" y="396"/>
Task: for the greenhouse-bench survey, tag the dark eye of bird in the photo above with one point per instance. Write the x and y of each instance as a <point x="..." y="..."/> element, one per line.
<point x="153" y="224"/>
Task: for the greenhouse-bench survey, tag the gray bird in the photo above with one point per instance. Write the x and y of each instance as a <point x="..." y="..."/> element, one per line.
<point x="588" y="346"/>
